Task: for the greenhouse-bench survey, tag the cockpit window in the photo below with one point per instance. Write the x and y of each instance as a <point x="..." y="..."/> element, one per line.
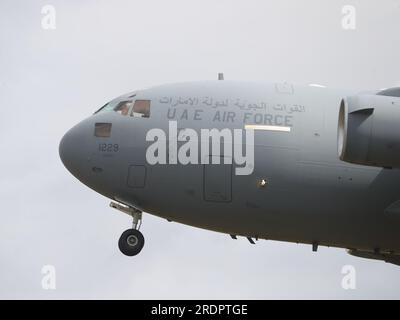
<point x="106" y="107"/>
<point x="117" y="104"/>
<point x="109" y="106"/>
<point x="128" y="106"/>
<point x="102" y="130"/>
<point x="141" y="108"/>
<point x="123" y="107"/>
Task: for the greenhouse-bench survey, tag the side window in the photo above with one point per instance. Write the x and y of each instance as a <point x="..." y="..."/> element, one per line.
<point x="102" y="130"/>
<point x="123" y="107"/>
<point x="141" y="108"/>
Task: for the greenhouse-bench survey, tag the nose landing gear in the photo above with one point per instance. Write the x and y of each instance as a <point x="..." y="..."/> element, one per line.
<point x="131" y="241"/>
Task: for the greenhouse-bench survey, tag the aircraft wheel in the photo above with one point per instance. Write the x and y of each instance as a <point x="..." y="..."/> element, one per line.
<point x="131" y="242"/>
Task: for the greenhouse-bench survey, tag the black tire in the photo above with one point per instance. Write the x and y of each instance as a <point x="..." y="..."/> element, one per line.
<point x="131" y="242"/>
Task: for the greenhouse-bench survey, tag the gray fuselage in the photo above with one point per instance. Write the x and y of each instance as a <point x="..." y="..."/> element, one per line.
<point x="310" y="195"/>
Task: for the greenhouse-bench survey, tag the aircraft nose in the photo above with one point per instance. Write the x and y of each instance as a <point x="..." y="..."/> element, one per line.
<point x="73" y="152"/>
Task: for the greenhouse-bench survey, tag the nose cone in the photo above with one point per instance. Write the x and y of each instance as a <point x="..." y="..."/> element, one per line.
<point x="79" y="154"/>
<point x="73" y="152"/>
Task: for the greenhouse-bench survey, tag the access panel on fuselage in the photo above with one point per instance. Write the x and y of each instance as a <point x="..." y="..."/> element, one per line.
<point x="217" y="180"/>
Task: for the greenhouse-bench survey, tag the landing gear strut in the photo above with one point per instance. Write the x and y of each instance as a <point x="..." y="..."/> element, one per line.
<point x="131" y="241"/>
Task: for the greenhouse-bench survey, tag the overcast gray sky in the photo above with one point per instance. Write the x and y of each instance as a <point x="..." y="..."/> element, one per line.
<point x="52" y="79"/>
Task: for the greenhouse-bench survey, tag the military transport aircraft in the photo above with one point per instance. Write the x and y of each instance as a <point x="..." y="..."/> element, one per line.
<point x="304" y="164"/>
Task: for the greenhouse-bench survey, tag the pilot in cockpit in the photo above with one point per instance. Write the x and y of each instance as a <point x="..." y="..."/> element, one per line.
<point x="123" y="107"/>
